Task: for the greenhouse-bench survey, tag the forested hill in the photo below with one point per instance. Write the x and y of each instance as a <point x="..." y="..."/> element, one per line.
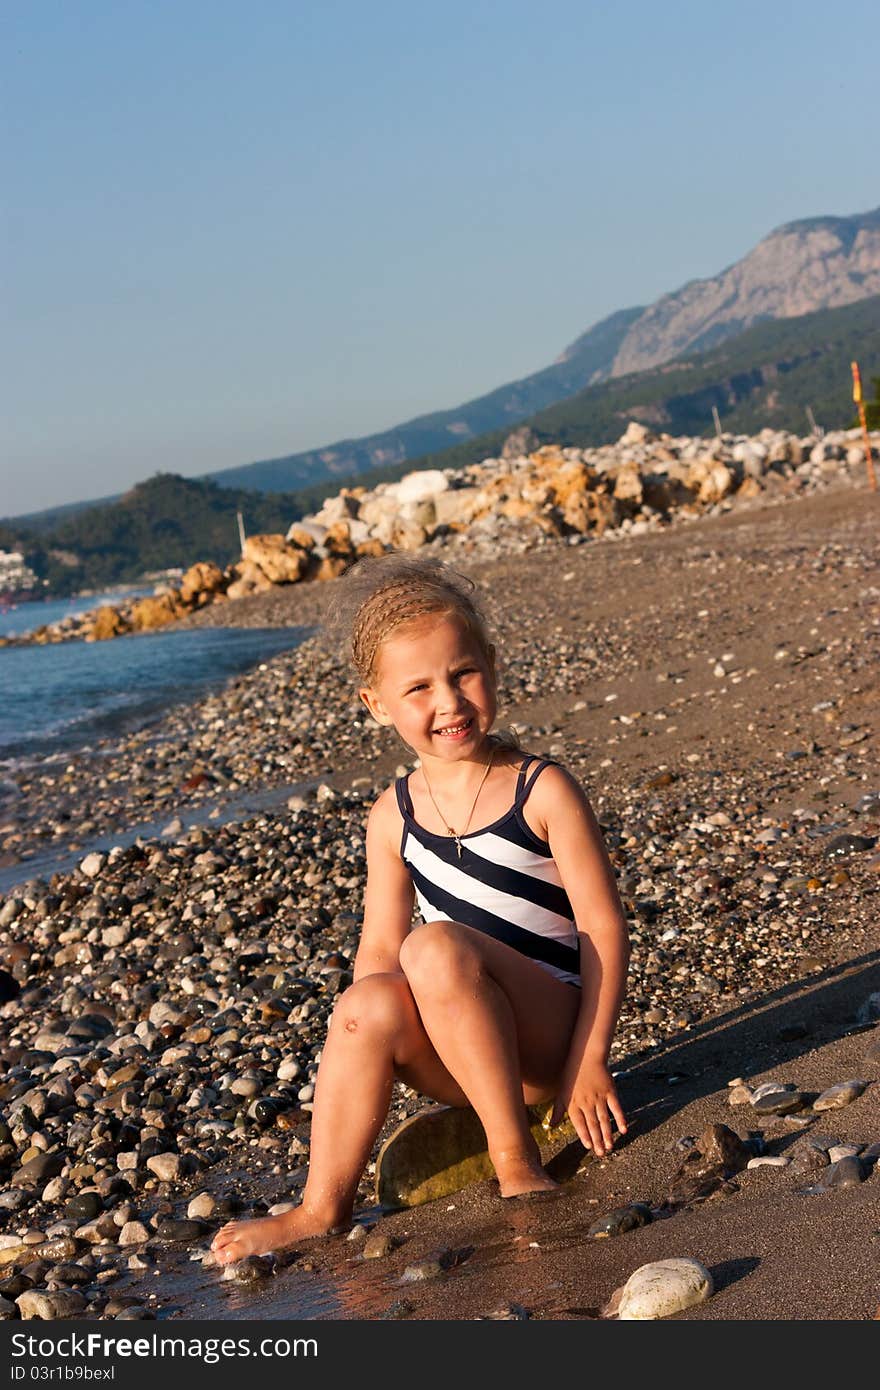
<point x="164" y="522"/>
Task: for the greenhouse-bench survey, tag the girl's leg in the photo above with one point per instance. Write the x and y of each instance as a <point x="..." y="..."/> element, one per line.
<point x="502" y="1027"/>
<point x="375" y="1028"/>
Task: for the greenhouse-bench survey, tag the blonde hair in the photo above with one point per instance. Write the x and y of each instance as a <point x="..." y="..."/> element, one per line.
<point x="382" y="593"/>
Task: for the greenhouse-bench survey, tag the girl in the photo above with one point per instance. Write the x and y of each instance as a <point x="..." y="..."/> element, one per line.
<point x="509" y="992"/>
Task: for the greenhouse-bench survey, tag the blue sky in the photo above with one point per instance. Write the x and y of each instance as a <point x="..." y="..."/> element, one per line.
<point x="236" y="231"/>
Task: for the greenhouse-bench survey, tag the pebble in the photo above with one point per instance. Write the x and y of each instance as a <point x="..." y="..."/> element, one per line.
<point x="252" y="1270"/>
<point x="166" y="1166"/>
<point x="181" y="1230"/>
<point x="201" y="1207"/>
<point x="740" y="1095"/>
<point x="621" y="1220"/>
<point x="843" y="1093"/>
<point x="377" y="1245"/>
<point x="769" y="1161"/>
<point x="423" y="1269"/>
<point x="133" y="1233"/>
<point x="846" y="1172"/>
<point x="779" y="1102"/>
<point x="838" y="1151"/>
<point x="662" y="1288"/>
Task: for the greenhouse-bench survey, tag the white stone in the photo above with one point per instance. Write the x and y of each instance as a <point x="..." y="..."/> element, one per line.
<point x="769" y="1161"/>
<point x="166" y="1167"/>
<point x="133" y="1233"/>
<point x="843" y="1151"/>
<point x="417" y="487"/>
<point x="201" y="1207"/>
<point x="92" y="865"/>
<point x="665" y="1287"/>
<point x="772" y="1088"/>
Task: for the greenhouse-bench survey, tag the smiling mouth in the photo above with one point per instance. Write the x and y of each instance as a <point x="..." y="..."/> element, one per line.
<point x="455" y="730"/>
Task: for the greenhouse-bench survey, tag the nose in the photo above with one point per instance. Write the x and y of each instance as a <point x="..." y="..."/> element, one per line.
<point x="450" y="698"/>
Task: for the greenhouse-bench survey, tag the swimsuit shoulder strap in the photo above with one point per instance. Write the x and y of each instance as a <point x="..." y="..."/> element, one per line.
<point x="404" y="800"/>
<point x="528" y="775"/>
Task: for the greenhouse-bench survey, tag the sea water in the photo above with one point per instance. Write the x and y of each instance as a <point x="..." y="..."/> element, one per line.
<point x="62" y="696"/>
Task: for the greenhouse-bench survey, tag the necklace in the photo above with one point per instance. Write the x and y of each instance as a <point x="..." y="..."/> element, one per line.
<point x="449" y="829"/>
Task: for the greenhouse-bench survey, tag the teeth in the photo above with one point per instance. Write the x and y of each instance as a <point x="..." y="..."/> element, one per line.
<point x="454" y="728"/>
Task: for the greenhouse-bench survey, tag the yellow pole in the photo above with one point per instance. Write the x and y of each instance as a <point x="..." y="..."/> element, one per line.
<point x="857" y="397"/>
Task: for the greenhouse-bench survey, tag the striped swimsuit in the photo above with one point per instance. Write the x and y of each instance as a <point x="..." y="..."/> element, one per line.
<point x="505" y="883"/>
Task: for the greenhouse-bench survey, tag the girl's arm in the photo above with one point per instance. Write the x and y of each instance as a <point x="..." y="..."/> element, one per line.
<point x="587" y="1090"/>
<point x="388" y="902"/>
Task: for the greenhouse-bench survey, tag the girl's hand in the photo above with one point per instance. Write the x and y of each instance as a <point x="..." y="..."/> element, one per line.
<point x="590" y="1098"/>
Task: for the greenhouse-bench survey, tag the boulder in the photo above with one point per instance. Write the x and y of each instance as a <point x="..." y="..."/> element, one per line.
<point x="338" y="539"/>
<point x="158" y="611"/>
<point x="570" y="481"/>
<point x="107" y="622"/>
<point x="331" y="567"/>
<point x="306" y="534"/>
<point x="278" y="560"/>
<point x="421" y="486"/>
<point x="456" y="506"/>
<point x="369" y="547"/>
<point x="636" y="434"/>
<point x="249" y="579"/>
<point x="628" y="485"/>
<point x="201" y="582"/>
<point x="408" y="535"/>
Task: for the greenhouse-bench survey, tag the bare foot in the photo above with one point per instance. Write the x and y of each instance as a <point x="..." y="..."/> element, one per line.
<point x="238" y="1239"/>
<point x="519" y="1174"/>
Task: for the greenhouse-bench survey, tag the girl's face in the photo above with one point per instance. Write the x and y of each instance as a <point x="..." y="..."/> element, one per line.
<point x="436" y="686"/>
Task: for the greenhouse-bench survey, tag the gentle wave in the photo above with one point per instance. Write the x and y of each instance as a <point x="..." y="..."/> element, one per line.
<point x="63" y="696"/>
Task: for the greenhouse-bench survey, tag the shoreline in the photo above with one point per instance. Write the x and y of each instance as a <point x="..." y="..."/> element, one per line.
<point x="714" y="686"/>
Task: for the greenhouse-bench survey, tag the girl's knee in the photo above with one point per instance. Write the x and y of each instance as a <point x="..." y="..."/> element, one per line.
<point x="376" y="1004"/>
<point x="436" y="953"/>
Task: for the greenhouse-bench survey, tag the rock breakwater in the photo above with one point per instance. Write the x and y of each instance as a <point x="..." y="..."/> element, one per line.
<point x="643" y="482"/>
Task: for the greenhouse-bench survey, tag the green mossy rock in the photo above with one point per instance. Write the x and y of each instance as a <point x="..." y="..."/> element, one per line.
<point x="442" y="1150"/>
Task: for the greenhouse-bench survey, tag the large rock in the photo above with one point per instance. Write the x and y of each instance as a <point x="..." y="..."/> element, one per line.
<point x="457" y="506"/>
<point x="408" y="535"/>
<point x="249" y="579"/>
<point x="276" y="558"/>
<point x="107" y="622"/>
<point x="710" y="480"/>
<point x="628" y="487"/>
<point x="201" y="582"/>
<point x="158" y="611"/>
<point x="421" y="486"/>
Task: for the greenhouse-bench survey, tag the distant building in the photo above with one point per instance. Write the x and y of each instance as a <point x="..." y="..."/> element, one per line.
<point x="15" y="575"/>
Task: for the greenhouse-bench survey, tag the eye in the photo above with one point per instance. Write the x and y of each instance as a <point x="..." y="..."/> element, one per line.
<point x="465" y="671"/>
<point x="415" y="688"/>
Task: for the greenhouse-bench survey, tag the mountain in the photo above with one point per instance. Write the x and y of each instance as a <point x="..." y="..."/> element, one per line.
<point x="802" y="267"/>
<point x="820" y="263"/>
<point x="766" y="376"/>
<point x="588" y="360"/>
